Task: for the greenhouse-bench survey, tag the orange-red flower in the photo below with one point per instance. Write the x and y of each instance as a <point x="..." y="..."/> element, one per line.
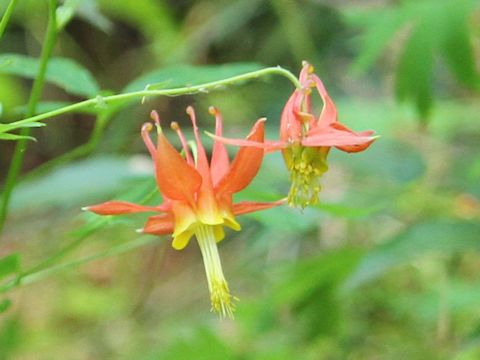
<point x="305" y="140"/>
<point x="198" y="196"/>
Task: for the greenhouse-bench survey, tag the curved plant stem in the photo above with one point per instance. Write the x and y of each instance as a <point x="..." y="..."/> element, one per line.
<point x="35" y="94"/>
<point x="104" y="101"/>
<point x="6" y="16"/>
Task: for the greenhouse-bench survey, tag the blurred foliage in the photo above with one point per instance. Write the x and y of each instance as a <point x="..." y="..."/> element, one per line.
<point x="424" y="29"/>
<point x="385" y="267"/>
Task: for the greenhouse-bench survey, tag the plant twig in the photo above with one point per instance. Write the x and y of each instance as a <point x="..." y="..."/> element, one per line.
<point x="35" y="94"/>
<point x="6" y="16"/>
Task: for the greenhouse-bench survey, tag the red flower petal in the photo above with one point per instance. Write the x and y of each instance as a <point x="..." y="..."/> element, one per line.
<point x="290" y="126"/>
<point x="246" y="207"/>
<point x="159" y="225"/>
<point x="176" y="179"/>
<point x="329" y="111"/>
<point x="220" y="162"/>
<point x="119" y="208"/>
<point x="246" y="163"/>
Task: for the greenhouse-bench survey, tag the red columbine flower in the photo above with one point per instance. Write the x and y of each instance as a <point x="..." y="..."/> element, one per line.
<point x="305" y="140"/>
<point x="198" y="196"/>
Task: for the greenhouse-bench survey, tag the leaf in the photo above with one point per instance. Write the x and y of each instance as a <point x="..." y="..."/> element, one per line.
<point x="413" y="78"/>
<point x="431" y="29"/>
<point x="16" y="125"/>
<point x="5" y="305"/>
<point x="385" y="24"/>
<point x="7" y="136"/>
<point x="456" y="46"/>
<point x="65" y="73"/>
<point x="424" y="238"/>
<point x="80" y="183"/>
<point x="9" y="264"/>
<point x="188" y="75"/>
<point x="86" y="9"/>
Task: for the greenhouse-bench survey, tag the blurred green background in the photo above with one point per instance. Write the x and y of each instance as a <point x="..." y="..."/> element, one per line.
<point x="386" y="267"/>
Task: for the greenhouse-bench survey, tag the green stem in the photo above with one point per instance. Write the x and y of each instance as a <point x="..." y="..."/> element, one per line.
<point x="108" y="100"/>
<point x="35" y="94"/>
<point x="6" y="16"/>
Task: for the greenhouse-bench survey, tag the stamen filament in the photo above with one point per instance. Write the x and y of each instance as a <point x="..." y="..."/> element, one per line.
<point x="221" y="299"/>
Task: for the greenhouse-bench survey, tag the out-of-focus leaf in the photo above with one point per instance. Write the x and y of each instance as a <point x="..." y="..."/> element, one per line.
<point x="9" y="264"/>
<point x="413" y="79"/>
<point x="87" y="9"/>
<point x="15" y="125"/>
<point x="203" y="344"/>
<point x="310" y="290"/>
<point x="80" y="183"/>
<point x="346" y="211"/>
<point x="421" y="239"/>
<point x="63" y="72"/>
<point x="328" y="268"/>
<point x="5" y="305"/>
<point x="6" y="136"/>
<point x="382" y="27"/>
<point x="188" y="75"/>
<point x="456" y="45"/>
<point x="430" y="28"/>
<point x="388" y="159"/>
<point x="65" y="12"/>
<point x="154" y="19"/>
<point x="10" y="337"/>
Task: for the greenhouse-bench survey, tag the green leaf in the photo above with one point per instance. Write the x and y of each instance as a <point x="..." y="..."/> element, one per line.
<point x="384" y="25"/>
<point x="63" y="72"/>
<point x="456" y="46"/>
<point x="189" y="75"/>
<point x="72" y="184"/>
<point x="9" y="264"/>
<point x="16" y="125"/>
<point x="7" y="136"/>
<point x="5" y="305"/>
<point x="413" y="79"/>
<point x="86" y="9"/>
<point x="424" y="238"/>
<point x="431" y="29"/>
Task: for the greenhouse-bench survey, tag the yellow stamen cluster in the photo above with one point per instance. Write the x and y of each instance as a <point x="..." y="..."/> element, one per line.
<point x="221" y="299"/>
<point x="306" y="165"/>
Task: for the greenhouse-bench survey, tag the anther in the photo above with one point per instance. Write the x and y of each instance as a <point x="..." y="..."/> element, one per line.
<point x="213" y="110"/>
<point x="147" y="127"/>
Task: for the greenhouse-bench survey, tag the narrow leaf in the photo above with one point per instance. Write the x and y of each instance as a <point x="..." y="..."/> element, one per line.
<point x="7" y="136"/>
<point x="63" y="72"/>
<point x="9" y="264"/>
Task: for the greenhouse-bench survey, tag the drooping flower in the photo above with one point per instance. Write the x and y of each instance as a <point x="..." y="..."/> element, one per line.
<point x="305" y="140"/>
<point x="198" y="196"/>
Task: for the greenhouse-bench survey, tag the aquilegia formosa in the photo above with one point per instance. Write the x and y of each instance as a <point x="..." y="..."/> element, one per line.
<point x="198" y="196"/>
<point x="305" y="140"/>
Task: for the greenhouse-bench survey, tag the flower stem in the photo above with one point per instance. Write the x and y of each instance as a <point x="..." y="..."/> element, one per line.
<point x="102" y="101"/>
<point x="220" y="297"/>
<point x="35" y="94"/>
<point x="6" y="16"/>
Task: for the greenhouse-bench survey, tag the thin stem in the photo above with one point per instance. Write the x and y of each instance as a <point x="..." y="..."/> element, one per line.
<point x="6" y="16"/>
<point x="214" y="85"/>
<point x="35" y="94"/>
